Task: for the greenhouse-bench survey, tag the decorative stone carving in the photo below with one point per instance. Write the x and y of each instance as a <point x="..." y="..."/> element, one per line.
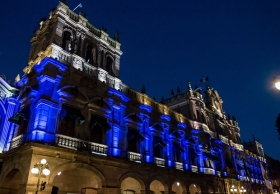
<point x="88" y="69"/>
<point x="102" y="74"/>
<point x="77" y="64"/>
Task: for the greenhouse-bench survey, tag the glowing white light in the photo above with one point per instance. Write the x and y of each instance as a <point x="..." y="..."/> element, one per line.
<point x="178" y="183"/>
<point x="194" y="185"/>
<point x="35" y="170"/>
<point x="244" y="190"/>
<point x="59" y="173"/>
<point x="277" y="85"/>
<point x="43" y="161"/>
<point x="46" y="171"/>
<point x="235" y="189"/>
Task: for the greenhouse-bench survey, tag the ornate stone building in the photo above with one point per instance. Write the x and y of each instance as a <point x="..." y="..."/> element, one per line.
<point x="100" y="136"/>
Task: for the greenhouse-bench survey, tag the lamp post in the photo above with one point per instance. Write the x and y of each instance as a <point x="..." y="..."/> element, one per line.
<point x="233" y="189"/>
<point x="40" y="168"/>
<point x="242" y="190"/>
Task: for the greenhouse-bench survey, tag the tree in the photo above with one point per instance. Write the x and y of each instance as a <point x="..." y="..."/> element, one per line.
<point x="277" y="125"/>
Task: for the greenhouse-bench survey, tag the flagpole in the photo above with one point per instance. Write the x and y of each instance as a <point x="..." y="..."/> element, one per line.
<point x="80" y="5"/>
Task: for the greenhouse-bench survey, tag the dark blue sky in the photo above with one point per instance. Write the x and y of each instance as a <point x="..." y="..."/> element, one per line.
<point x="168" y="43"/>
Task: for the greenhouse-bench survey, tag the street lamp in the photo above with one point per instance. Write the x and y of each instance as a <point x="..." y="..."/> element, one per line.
<point x="242" y="190"/>
<point x="276" y="81"/>
<point x="41" y="168"/>
<point x="233" y="189"/>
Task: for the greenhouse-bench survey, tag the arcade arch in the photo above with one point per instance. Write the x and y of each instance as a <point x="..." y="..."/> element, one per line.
<point x="12" y="182"/>
<point x="157" y="187"/>
<point x="177" y="188"/>
<point x="74" y="180"/>
<point x="194" y="189"/>
<point x="130" y="186"/>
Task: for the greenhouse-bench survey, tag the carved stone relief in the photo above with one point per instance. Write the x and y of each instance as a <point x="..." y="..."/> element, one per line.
<point x="77" y="64"/>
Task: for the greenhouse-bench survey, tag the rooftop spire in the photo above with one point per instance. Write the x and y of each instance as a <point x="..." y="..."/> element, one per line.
<point x="189" y="86"/>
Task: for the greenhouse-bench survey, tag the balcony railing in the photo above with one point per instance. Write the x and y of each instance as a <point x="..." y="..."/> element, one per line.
<point x="135" y="157"/>
<point x="209" y="171"/>
<point x="17" y="141"/>
<point x="179" y="165"/>
<point x="77" y="144"/>
<point x="159" y="162"/>
<point x="194" y="169"/>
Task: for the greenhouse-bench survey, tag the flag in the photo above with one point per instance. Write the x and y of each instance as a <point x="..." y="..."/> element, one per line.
<point x="205" y="79"/>
<point x="265" y="178"/>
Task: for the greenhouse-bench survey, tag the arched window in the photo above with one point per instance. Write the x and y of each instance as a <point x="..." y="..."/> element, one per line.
<point x="98" y="129"/>
<point x="66" y="42"/>
<point x="69" y="116"/>
<point x="21" y="118"/>
<point x="158" y="146"/>
<point x="89" y="54"/>
<point x="134" y="139"/>
<point x="177" y="151"/>
<point x="109" y="66"/>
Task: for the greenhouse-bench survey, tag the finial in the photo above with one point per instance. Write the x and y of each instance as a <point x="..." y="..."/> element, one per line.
<point x="116" y="36"/>
<point x="178" y="90"/>
<point x="143" y="89"/>
<point x="172" y="92"/>
<point x="17" y="78"/>
<point x="189" y="86"/>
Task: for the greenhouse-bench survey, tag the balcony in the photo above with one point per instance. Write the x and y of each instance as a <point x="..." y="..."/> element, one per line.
<point x="77" y="144"/>
<point x="159" y="162"/>
<point x="194" y="169"/>
<point x="134" y="157"/>
<point x="209" y="171"/>
<point x="179" y="166"/>
<point x="17" y="141"/>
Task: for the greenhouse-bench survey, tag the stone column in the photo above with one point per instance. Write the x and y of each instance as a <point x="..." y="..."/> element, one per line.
<point x="104" y="59"/>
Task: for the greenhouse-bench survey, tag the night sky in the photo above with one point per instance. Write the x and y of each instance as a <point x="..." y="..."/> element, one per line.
<point x="166" y="44"/>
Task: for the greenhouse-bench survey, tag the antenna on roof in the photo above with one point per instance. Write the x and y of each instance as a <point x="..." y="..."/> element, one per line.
<point x="80" y="5"/>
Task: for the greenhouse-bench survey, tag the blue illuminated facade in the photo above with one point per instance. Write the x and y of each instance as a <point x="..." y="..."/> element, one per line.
<point x="71" y="97"/>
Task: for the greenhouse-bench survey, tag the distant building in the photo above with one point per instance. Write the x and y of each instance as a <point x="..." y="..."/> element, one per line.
<point x="100" y="136"/>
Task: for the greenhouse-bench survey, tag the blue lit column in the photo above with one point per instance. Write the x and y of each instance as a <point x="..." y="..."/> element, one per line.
<point x="233" y="155"/>
<point x="187" y="165"/>
<point x="165" y="119"/>
<point x="222" y="159"/>
<point x="43" y="121"/>
<point x="145" y="110"/>
<point x="117" y="101"/>
<point x="200" y="160"/>
<point x="6" y="126"/>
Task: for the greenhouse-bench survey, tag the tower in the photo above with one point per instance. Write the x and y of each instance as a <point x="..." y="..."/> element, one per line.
<point x="100" y="136"/>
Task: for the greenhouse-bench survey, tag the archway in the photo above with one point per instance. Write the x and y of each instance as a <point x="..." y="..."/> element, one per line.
<point x="156" y="187"/>
<point x="194" y="189"/>
<point x="75" y="180"/>
<point x="177" y="188"/>
<point x="130" y="186"/>
<point x="211" y="189"/>
<point x="12" y="182"/>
